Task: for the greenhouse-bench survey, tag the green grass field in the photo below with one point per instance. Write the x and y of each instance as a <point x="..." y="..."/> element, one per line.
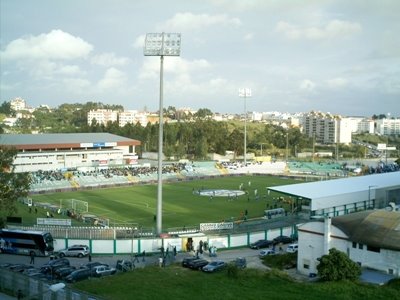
<point x="175" y="282"/>
<point x="181" y="206"/>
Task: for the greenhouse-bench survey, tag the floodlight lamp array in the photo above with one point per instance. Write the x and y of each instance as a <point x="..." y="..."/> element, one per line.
<point x="162" y="44"/>
<point x="244" y="92"/>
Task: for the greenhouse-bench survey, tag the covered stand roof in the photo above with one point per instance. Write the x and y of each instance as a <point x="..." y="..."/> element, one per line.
<point x="378" y="228"/>
<point x="329" y="188"/>
<point x="64" y="140"/>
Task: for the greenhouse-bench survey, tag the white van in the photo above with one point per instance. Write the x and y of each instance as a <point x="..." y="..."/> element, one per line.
<point x="292" y="248"/>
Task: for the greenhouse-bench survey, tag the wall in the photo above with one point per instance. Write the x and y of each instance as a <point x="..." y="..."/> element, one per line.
<point x="150" y="245"/>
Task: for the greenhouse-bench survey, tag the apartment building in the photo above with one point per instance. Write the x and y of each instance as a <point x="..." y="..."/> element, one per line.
<point x="388" y="126"/>
<point x="102" y="116"/>
<point x="327" y="128"/>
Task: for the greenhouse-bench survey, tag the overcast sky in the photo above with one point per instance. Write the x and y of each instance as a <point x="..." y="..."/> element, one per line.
<point x="338" y="56"/>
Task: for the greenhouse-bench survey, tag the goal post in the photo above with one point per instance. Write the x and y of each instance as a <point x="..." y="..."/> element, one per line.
<point x="75" y="204"/>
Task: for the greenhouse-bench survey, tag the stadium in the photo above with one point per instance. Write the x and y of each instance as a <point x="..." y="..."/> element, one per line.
<point x="97" y="179"/>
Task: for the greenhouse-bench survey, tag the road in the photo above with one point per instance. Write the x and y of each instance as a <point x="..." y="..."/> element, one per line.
<point x="251" y="256"/>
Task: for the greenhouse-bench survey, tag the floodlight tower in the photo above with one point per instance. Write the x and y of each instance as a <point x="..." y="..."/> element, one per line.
<point x="245" y="93"/>
<point x="161" y="44"/>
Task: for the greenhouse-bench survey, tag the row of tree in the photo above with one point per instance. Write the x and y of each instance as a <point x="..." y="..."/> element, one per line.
<point x="185" y="135"/>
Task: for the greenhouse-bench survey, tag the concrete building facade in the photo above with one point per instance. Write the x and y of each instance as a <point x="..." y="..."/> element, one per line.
<point x="49" y="152"/>
<point x="369" y="238"/>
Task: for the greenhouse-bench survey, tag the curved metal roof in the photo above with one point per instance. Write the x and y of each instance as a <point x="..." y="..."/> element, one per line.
<point x="377" y="228"/>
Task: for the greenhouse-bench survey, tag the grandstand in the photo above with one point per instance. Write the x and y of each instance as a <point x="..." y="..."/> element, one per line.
<point x="330" y="169"/>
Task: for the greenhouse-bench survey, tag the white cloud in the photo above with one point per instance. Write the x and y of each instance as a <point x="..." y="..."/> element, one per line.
<point x="109" y="60"/>
<point x="188" y="21"/>
<point x="334" y="29"/>
<point x="113" y="79"/>
<point x="248" y="36"/>
<point x="174" y="65"/>
<point x="139" y="42"/>
<point x="307" y="85"/>
<point x="69" y="70"/>
<point x="337" y="82"/>
<point x="76" y="85"/>
<point x="55" y="45"/>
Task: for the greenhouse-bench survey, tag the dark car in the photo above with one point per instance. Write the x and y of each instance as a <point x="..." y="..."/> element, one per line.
<point x="54" y="264"/>
<point x="214" y="266"/>
<point x="63" y="272"/>
<point x="78" y="275"/>
<point x="261" y="244"/>
<point x="124" y="265"/>
<point x="187" y="260"/>
<point x="282" y="239"/>
<point x="240" y="262"/>
<point x="197" y="264"/>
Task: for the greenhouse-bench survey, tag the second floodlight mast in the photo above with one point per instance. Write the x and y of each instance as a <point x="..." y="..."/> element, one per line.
<point x="245" y="93"/>
<point x="161" y="44"/>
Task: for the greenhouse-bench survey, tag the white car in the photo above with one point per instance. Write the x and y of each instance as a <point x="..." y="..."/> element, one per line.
<point x="75" y="250"/>
<point x="267" y="252"/>
<point x="292" y="248"/>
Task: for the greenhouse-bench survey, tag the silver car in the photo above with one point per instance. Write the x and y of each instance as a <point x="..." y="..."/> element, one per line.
<point x="75" y="250"/>
<point x="100" y="271"/>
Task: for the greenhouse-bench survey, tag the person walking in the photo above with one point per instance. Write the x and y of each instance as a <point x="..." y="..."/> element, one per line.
<point x="32" y="262"/>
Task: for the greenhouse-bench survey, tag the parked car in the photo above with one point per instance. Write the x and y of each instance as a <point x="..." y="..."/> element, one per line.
<point x="261" y="244"/>
<point x="124" y="265"/>
<point x="54" y="264"/>
<point x="63" y="272"/>
<point x="31" y="272"/>
<point x="78" y="275"/>
<point x="75" y="250"/>
<point x="100" y="271"/>
<point x="241" y="262"/>
<point x="214" y="266"/>
<point x="197" y="264"/>
<point x="187" y="260"/>
<point x="282" y="239"/>
<point x="267" y="252"/>
<point x="292" y="248"/>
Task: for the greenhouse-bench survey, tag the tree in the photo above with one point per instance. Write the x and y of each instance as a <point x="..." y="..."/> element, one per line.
<point x="337" y="266"/>
<point x="5" y="108"/>
<point x="12" y="185"/>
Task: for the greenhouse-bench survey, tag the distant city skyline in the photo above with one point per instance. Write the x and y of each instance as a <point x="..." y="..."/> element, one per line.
<point x="341" y="57"/>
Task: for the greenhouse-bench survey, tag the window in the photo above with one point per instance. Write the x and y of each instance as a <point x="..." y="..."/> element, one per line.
<point x="354" y="245"/>
<point x="360" y="246"/>
<point x="373" y="249"/>
<point x="306" y="264"/>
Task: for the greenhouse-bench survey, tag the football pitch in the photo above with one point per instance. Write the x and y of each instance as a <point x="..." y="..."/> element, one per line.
<point x="185" y="203"/>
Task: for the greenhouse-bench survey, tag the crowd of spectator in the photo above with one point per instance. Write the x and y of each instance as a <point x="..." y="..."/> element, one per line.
<point x="136" y="171"/>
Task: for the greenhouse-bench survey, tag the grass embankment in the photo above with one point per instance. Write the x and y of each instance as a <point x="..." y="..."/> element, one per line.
<point x="175" y="282"/>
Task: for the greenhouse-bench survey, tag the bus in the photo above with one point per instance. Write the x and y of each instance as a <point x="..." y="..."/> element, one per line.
<point x="27" y="242"/>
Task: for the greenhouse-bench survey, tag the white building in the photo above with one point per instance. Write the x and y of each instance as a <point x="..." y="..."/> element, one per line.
<point x="327" y="128"/>
<point x="48" y="152"/>
<point x="18" y="104"/>
<point x="370" y="238"/>
<point x="132" y="117"/>
<point x="388" y="126"/>
<point x="102" y="116"/>
<point x="342" y="196"/>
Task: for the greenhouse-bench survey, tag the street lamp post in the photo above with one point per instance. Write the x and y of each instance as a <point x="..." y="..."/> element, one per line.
<point x="245" y="93"/>
<point x="161" y="44"/>
<point x="287" y="146"/>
